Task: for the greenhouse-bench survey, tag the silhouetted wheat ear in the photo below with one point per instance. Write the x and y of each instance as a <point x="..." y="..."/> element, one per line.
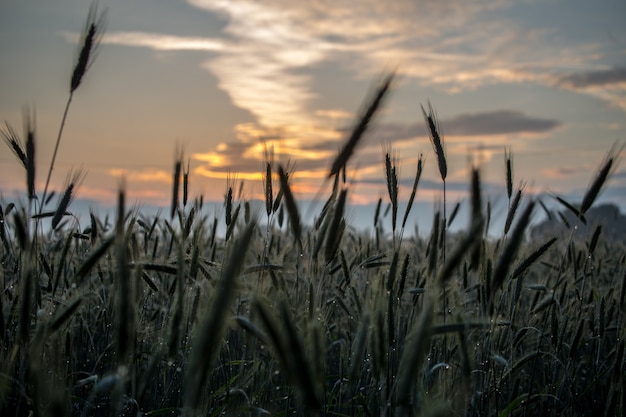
<point x="476" y="214"/>
<point x="231" y="227"/>
<point x="526" y="263"/>
<point x="335" y="231"/>
<point x="14" y="142"/>
<point x="176" y="182"/>
<point x="292" y="208"/>
<point x="594" y="239"/>
<point x="391" y="176"/>
<point x="361" y="126"/>
<point x="186" y="182"/>
<point x="377" y="211"/>
<point x="508" y="254"/>
<point x="30" y="152"/>
<point x="121" y="207"/>
<point x="388" y="166"/>
<point x="476" y="196"/>
<point x="228" y="203"/>
<point x="513" y="208"/>
<point x="90" y="41"/>
<point x="608" y="166"/>
<point x="72" y="182"/>
<point x="91" y="260"/>
<point x="418" y="175"/>
<point x="21" y="231"/>
<point x="455" y="211"/>
<point x="268" y="188"/>
<point x="508" y="164"/>
<point x="175" y="188"/>
<point x="436" y="139"/>
<point x="269" y="194"/>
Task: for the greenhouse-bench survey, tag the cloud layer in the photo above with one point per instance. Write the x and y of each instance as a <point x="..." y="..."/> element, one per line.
<point x="269" y="52"/>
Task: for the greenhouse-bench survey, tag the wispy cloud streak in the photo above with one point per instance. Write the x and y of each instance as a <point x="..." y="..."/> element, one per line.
<point x="162" y="42"/>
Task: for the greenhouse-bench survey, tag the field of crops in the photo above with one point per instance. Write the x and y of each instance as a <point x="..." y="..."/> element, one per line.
<point x="163" y="315"/>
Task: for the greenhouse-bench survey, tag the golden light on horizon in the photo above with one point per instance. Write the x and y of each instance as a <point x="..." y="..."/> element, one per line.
<point x="150" y="175"/>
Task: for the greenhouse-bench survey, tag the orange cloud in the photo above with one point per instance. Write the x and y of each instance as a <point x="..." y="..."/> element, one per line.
<point x="149" y="175"/>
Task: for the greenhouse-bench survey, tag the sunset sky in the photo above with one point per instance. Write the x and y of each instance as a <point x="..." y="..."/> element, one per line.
<point x="224" y="78"/>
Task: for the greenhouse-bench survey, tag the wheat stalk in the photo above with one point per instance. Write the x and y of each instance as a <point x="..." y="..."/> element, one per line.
<point x="361" y="127"/>
<point x="90" y="41"/>
<point x="436" y="139"/>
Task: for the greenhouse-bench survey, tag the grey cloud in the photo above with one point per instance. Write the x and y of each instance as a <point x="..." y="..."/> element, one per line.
<point x="592" y="78"/>
<point x="495" y="122"/>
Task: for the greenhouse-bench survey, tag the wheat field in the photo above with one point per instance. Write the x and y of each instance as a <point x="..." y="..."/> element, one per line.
<point x="163" y="315"/>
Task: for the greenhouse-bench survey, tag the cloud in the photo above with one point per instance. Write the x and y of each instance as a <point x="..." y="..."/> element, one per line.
<point x="606" y="84"/>
<point x="267" y="51"/>
<point x="313" y="157"/>
<point x="262" y="68"/>
<point x="161" y="42"/>
<point x="147" y="175"/>
<point x="580" y="80"/>
<point x="498" y="122"/>
<point x="268" y="54"/>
